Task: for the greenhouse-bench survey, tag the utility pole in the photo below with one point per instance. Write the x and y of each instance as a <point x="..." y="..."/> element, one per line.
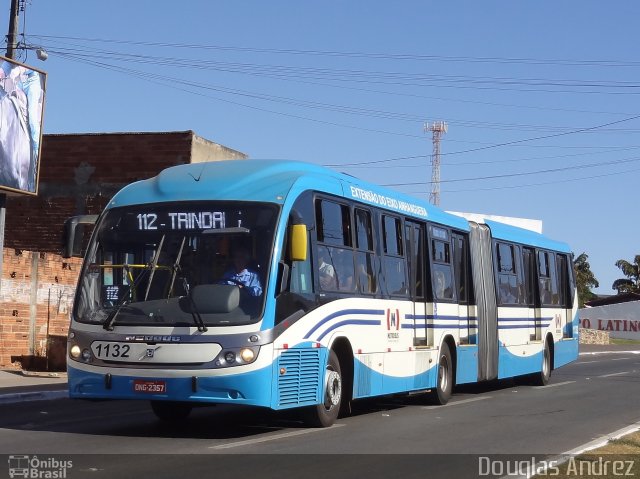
<point x="438" y="128"/>
<point x="12" y="36"/>
<point x="12" y="43"/>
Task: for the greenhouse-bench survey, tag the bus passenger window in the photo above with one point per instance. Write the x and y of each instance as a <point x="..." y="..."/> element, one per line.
<point x="555" y="293"/>
<point x="461" y="267"/>
<point x="333" y="222"/>
<point x="335" y="269"/>
<point x="335" y="256"/>
<point x="394" y="263"/>
<point x="392" y="235"/>
<point x="442" y="276"/>
<point x="364" y="233"/>
<point x="544" y="278"/>
<point x="365" y="273"/>
<point x="442" y="282"/>
<point x="365" y="269"/>
<point x="395" y="276"/>
<point x="327" y="276"/>
<point x="507" y="277"/>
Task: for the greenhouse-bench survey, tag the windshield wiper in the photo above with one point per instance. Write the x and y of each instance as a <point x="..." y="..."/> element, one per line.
<point x="197" y="318"/>
<point x="176" y="268"/>
<point x="154" y="264"/>
<point x="111" y="318"/>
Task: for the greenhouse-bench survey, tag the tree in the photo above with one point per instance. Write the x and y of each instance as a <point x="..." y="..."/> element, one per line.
<point x="630" y="284"/>
<point x="585" y="279"/>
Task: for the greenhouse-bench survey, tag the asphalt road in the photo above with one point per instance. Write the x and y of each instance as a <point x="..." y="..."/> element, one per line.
<point x="585" y="400"/>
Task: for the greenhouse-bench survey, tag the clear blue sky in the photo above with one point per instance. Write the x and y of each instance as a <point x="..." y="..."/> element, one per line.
<point x="339" y="82"/>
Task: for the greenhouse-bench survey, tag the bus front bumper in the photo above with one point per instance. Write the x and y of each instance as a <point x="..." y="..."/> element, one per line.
<point x="251" y="388"/>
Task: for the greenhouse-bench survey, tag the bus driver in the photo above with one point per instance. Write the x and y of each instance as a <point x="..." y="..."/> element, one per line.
<point x="240" y="275"/>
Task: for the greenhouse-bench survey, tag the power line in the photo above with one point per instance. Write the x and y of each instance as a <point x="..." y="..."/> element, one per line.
<point x="512" y="175"/>
<point x="489" y="162"/>
<point x="527" y="185"/>
<point x="499" y="145"/>
<point x="351" y="54"/>
<point x="163" y="80"/>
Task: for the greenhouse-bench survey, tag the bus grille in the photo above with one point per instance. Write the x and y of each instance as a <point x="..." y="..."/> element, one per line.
<point x="299" y="385"/>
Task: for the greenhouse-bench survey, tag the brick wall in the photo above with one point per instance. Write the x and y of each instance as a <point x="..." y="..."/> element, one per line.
<point x="28" y="314"/>
<point x="79" y="173"/>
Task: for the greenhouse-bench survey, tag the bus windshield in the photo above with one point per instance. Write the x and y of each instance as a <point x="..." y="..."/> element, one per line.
<point x="164" y="264"/>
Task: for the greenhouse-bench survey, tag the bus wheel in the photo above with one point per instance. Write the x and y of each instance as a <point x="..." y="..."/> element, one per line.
<point x="325" y="414"/>
<point x="171" y="411"/>
<point x="442" y="393"/>
<point x="542" y="378"/>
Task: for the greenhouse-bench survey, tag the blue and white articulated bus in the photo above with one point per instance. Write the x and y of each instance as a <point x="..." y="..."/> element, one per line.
<point x="359" y="291"/>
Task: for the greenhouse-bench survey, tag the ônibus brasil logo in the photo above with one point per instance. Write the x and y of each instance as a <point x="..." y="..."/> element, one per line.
<point x="37" y="467"/>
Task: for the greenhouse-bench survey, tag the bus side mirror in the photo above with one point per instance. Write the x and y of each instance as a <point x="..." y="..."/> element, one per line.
<point x="298" y="242"/>
<point x="74" y="236"/>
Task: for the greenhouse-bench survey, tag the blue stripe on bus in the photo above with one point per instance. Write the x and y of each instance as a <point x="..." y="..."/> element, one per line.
<point x="421" y="317"/>
<point x="523" y="326"/>
<point x="367" y="322"/>
<point x="503" y="322"/>
<point x="372" y="312"/>
<point x="439" y="326"/>
<point x="524" y="319"/>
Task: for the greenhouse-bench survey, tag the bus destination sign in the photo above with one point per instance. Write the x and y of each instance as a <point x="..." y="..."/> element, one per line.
<point x="178" y="220"/>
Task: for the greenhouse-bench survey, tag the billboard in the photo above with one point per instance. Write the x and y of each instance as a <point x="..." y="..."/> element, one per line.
<point x="22" y="92"/>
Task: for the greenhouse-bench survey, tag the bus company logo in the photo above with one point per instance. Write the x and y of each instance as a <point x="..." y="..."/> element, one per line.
<point x="393" y="323"/>
<point x="38" y="468"/>
<point x="558" y="319"/>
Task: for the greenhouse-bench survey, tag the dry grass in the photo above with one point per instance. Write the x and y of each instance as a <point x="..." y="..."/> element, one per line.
<point x="619" y="458"/>
<point x="624" y="341"/>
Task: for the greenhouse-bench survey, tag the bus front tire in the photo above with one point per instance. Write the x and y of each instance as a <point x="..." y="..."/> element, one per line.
<point x="171" y="411"/>
<point x="325" y="414"/>
<point x="444" y="386"/>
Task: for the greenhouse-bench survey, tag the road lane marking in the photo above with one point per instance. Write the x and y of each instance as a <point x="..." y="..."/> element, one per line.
<point x="274" y="437"/>
<point x="462" y="401"/>
<point x="614" y="374"/>
<point x="554" y="385"/>
<point x="601" y="360"/>
<point x="598" y="353"/>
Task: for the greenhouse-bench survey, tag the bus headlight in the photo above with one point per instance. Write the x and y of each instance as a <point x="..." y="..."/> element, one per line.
<point x="247" y="355"/>
<point x="236" y="357"/>
<point x="86" y="354"/>
<point x="75" y="351"/>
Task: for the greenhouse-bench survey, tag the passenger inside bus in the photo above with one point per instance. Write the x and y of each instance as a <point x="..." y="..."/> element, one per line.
<point x="327" y="276"/>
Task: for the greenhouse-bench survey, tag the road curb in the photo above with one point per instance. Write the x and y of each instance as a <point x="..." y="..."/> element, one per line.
<point x="33" y="396"/>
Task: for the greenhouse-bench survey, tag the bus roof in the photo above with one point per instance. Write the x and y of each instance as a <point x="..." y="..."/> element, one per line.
<point x="271" y="181"/>
<point x="502" y="231"/>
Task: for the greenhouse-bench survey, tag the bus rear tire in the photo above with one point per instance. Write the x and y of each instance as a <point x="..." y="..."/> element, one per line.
<point x="542" y="378"/>
<point x="171" y="411"/>
<point x="325" y="414"/>
<point x="444" y="386"/>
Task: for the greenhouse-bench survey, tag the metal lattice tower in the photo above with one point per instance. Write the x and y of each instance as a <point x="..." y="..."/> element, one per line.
<point x="437" y="128"/>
